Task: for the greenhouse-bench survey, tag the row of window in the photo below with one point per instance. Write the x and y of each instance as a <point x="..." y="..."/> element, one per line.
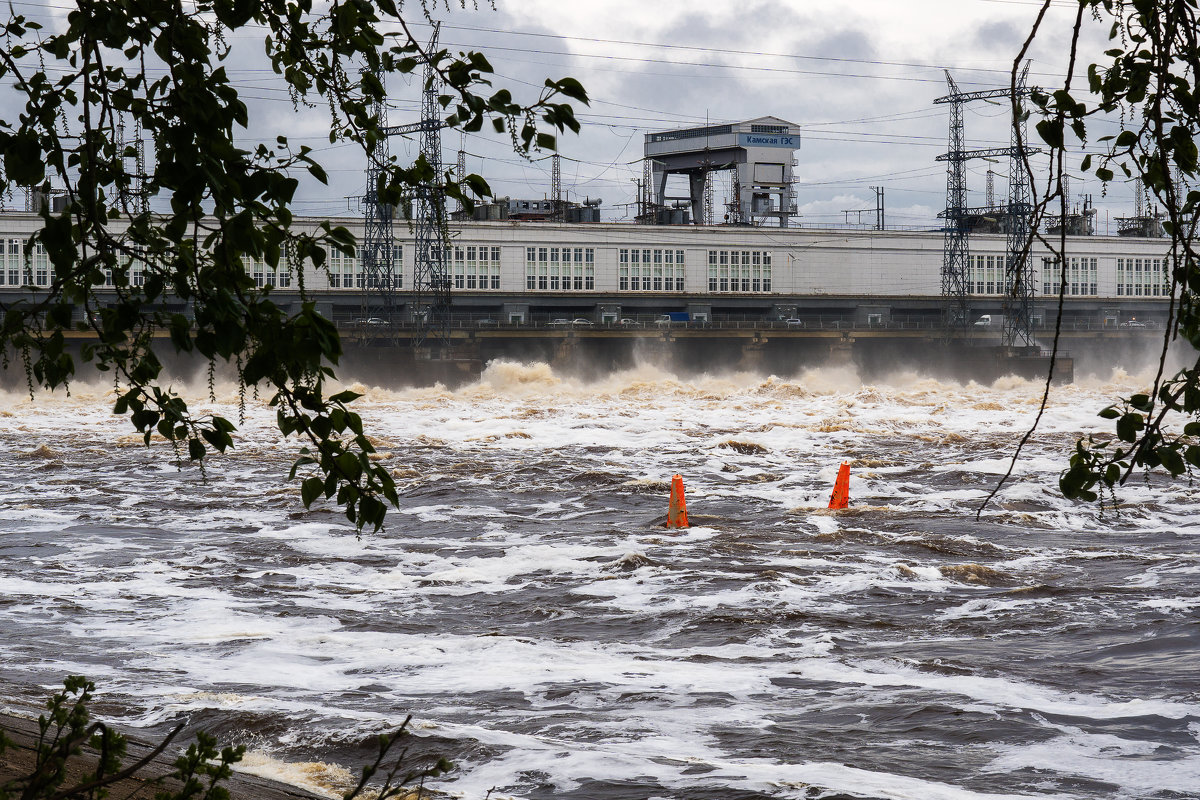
<point x="475" y="267"/>
<point x="16" y="271"/>
<point x="651" y="269"/>
<point x="1082" y="276"/>
<point x="739" y="270"/>
<point x="1143" y="277"/>
<point x="1136" y="277"/>
<point x="264" y="275"/>
<point x="559" y="269"/>
<point x="346" y="271"/>
<point x="986" y="275"/>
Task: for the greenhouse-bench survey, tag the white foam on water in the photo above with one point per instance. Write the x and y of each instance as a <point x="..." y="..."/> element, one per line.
<point x="1131" y="766"/>
<point x="994" y="692"/>
<point x="1182" y="605"/>
<point x="151" y="588"/>
<point x="989" y="608"/>
<point x="701" y="770"/>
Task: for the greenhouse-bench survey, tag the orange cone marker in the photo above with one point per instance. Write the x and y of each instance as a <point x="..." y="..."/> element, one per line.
<point x="677" y="514"/>
<point x="841" y="488"/>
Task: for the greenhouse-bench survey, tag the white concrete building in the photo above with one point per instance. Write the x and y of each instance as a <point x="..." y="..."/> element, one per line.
<point x="723" y="267"/>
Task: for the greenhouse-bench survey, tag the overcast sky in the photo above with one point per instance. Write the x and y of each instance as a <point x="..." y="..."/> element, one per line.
<point x="858" y="76"/>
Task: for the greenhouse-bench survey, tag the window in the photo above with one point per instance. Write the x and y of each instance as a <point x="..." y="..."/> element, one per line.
<point x="342" y="270"/>
<point x="254" y="268"/>
<point x="1051" y="276"/>
<point x="14" y="259"/>
<point x="555" y="269"/>
<point x="41" y="265"/>
<point x="283" y="278"/>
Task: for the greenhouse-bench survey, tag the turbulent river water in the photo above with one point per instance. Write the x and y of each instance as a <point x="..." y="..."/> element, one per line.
<point x="553" y="641"/>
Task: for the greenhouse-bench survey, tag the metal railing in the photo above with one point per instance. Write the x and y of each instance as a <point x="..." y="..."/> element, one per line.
<point x="802" y="322"/>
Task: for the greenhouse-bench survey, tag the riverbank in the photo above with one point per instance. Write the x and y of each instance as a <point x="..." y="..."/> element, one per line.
<point x="19" y="758"/>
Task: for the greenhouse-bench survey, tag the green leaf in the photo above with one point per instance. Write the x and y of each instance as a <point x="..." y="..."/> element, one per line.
<point x="219" y="440"/>
<point x="1074" y="481"/>
<point x="1051" y="131"/>
<point x="1171" y="459"/>
<point x="572" y="89"/>
<point x="1128" y="427"/>
<point x="1192" y="455"/>
<point x="310" y="490"/>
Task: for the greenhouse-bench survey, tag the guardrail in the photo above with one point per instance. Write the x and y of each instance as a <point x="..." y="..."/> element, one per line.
<point x="818" y="323"/>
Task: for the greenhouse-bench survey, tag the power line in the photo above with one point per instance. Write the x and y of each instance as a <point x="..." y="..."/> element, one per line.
<point x="724" y="50"/>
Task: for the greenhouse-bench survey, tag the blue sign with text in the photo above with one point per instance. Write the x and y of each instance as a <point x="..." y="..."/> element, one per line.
<point x="768" y="140"/>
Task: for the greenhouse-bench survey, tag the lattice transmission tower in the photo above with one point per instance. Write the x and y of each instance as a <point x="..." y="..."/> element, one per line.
<point x="956" y="261"/>
<point x="134" y="197"/>
<point x="556" y="196"/>
<point x="460" y="169"/>
<point x="707" y="209"/>
<point x="431" y="281"/>
<point x="378" y="279"/>
<point x="1018" y="278"/>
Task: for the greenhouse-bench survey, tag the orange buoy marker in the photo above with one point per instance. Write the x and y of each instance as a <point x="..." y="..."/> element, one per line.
<point x="677" y="514"/>
<point x="841" y="488"/>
